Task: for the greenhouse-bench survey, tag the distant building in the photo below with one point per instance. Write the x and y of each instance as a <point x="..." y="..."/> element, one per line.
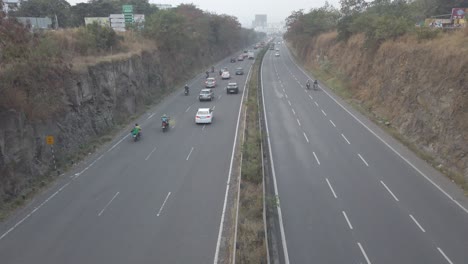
<point x="11" y="5"/>
<point x="163" y="6"/>
<point x="260" y="21"/>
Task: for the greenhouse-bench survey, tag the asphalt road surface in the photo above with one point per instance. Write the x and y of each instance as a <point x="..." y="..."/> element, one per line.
<point x="348" y="192"/>
<point x="158" y="200"/>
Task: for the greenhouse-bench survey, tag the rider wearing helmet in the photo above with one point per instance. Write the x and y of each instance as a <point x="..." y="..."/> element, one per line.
<point x="308" y="84"/>
<point x="165" y="118"/>
<point x="136" y="130"/>
<point x="186" y="87"/>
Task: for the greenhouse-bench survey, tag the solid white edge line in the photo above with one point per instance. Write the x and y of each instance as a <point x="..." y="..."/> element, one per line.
<point x="363" y="253"/>
<point x="275" y="185"/>
<point x="331" y="188"/>
<point x="103" y="209"/>
<point x="332" y="123"/>
<point x="363" y="160"/>
<point x="306" y="137"/>
<point x="316" y="158"/>
<point x="347" y="220"/>
<point x="345" y="138"/>
<point x="387" y="144"/>
<point x="162" y="206"/>
<point x="149" y="155"/>
<point x="33" y="211"/>
<point x="221" y="224"/>
<point x="445" y="256"/>
<point x="417" y="223"/>
<point x="388" y="189"/>
<point x="190" y="153"/>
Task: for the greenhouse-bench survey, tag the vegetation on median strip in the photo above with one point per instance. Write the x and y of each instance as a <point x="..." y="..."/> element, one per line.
<point x="251" y="244"/>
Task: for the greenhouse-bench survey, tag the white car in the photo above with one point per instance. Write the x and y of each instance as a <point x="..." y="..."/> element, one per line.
<point x="277" y="54"/>
<point x="225" y="75"/>
<point x="204" y="116"/>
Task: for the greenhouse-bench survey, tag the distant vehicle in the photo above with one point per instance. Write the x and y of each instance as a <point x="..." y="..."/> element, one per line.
<point x="240" y="58"/>
<point x="272" y="46"/>
<point x="204" y="116"/>
<point x="225" y="75"/>
<point x="206" y="94"/>
<point x="277" y="54"/>
<point x="251" y="55"/>
<point x="232" y="88"/>
<point x="233" y="59"/>
<point x="239" y="71"/>
<point x="210" y="82"/>
<point x="277" y="49"/>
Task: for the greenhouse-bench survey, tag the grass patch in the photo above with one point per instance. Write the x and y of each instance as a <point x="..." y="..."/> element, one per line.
<point x="251" y="244"/>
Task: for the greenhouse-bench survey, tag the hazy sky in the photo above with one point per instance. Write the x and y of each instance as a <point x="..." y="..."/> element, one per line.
<point x="245" y="10"/>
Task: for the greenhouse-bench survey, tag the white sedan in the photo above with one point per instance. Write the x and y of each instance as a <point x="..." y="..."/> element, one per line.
<point x="225" y="75"/>
<point x="204" y="116"/>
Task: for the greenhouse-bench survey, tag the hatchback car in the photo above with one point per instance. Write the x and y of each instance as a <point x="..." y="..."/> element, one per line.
<point x="204" y="116"/>
<point x="206" y="94"/>
<point x="239" y="71"/>
<point x="277" y="54"/>
<point x="225" y="75"/>
<point x="232" y="88"/>
<point x="210" y="83"/>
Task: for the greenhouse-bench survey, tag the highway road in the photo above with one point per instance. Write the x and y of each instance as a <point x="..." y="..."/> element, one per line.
<point x="158" y="200"/>
<point x="348" y="193"/>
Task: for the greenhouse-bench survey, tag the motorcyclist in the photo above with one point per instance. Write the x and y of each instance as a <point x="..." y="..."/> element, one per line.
<point x="315" y="84"/>
<point x="186" y="87"/>
<point x="220" y="72"/>
<point x="308" y="84"/>
<point x="165" y="119"/>
<point x="207" y="74"/>
<point x="136" y="130"/>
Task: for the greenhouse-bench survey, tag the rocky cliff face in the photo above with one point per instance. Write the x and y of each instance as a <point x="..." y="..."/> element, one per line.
<point x="93" y="102"/>
<point x="420" y="88"/>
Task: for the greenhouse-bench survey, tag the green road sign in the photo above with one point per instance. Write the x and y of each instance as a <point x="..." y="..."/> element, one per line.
<point x="127" y="9"/>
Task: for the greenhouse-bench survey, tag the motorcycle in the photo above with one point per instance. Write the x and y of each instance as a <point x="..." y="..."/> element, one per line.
<point x="136" y="136"/>
<point x="165" y="126"/>
<point x="186" y="92"/>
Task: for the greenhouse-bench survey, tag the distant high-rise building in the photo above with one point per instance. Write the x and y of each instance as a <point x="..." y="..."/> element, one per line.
<point x="260" y="21"/>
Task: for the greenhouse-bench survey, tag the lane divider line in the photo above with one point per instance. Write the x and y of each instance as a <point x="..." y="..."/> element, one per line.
<point x="345" y="138"/>
<point x="306" y="137"/>
<point x="332" y="123"/>
<point x="388" y="189"/>
<point x="316" y="104"/>
<point x="347" y="220"/>
<point x="331" y="188"/>
<point x="387" y="144"/>
<point x="103" y="209"/>
<point x="299" y="123"/>
<point x="190" y="153"/>
<point x="316" y="158"/>
<point x="289" y="102"/>
<point x="417" y="223"/>
<point x="363" y="160"/>
<point x="162" y="206"/>
<point x="294" y="112"/>
<point x="150" y="153"/>
<point x="445" y="256"/>
<point x="323" y="112"/>
<point x="363" y="253"/>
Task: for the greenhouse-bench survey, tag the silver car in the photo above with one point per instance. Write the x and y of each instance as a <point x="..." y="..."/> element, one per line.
<point x="206" y="94"/>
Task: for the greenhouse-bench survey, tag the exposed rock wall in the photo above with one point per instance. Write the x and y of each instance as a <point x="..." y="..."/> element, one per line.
<point x="93" y="101"/>
<point x="420" y="88"/>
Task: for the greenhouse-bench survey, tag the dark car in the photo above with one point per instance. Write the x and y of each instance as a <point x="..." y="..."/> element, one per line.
<point x="233" y="59"/>
<point x="239" y="71"/>
<point x="232" y="88"/>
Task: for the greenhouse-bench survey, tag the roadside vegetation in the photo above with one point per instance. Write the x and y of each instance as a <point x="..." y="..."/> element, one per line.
<point x="38" y="68"/>
<point x="251" y="244"/>
<point x="381" y="58"/>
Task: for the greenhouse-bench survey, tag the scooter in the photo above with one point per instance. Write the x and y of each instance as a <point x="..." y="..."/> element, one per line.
<point x="136" y="136"/>
<point x="186" y="92"/>
<point x="165" y="126"/>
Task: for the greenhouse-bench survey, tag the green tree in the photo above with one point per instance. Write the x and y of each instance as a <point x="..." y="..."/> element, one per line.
<point x="46" y="8"/>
